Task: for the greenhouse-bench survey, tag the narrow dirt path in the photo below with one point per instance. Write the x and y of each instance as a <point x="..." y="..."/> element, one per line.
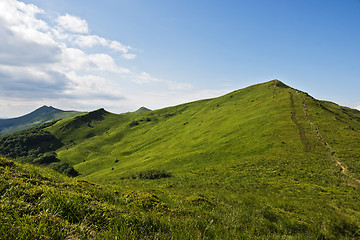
<point x="301" y="129"/>
<point x="344" y="170"/>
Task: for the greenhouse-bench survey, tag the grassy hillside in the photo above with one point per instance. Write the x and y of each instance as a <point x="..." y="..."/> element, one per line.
<point x="267" y="121"/>
<point x="38" y="203"/>
<point x="35" y="118"/>
<point x="264" y="162"/>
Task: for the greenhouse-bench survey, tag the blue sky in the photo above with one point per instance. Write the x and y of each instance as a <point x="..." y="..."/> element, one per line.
<point x="125" y="54"/>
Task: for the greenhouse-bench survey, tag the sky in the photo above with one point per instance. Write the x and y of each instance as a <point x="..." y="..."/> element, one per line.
<point x="124" y="54"/>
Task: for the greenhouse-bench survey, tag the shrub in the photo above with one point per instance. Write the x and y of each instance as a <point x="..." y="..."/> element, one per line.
<point x="152" y="174"/>
<point x="134" y="123"/>
<point x="64" y="168"/>
<point x="47" y="158"/>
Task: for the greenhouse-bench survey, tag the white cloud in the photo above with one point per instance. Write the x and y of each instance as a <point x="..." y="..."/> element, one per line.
<point x="72" y="24"/>
<point x="48" y="62"/>
<point x="115" y="45"/>
<point x="24" y="38"/>
<point x="28" y="82"/>
<point x="89" y="41"/>
<point x="146" y="78"/>
<point x="76" y="59"/>
<point x="35" y="53"/>
<point x="15" y="49"/>
<point x="128" y="56"/>
<point x="17" y="73"/>
<point x="91" y="87"/>
<point x="18" y="13"/>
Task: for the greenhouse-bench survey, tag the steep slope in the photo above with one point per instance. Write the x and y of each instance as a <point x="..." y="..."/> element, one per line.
<point x="264" y="162"/>
<point x="268" y="120"/>
<point x="37" y="117"/>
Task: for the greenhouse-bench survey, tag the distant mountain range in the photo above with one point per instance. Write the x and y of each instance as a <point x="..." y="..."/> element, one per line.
<point x="39" y="116"/>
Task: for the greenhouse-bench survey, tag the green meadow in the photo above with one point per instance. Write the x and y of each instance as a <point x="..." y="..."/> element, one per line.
<point x="263" y="162"/>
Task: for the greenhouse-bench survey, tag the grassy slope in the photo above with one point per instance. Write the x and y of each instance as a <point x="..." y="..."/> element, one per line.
<point x="249" y="123"/>
<point x="38" y="203"/>
<point x="258" y="162"/>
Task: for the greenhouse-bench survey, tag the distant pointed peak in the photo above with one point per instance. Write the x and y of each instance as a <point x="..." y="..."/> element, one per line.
<point x="143" y="109"/>
<point x="46" y="107"/>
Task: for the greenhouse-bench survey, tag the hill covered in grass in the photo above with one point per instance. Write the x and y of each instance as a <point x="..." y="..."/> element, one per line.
<point x="39" y="116"/>
<point x="264" y="162"/>
<point x="38" y="203"/>
<point x="267" y="121"/>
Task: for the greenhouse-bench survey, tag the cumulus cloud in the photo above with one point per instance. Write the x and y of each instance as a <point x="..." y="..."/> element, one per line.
<point x="72" y="24"/>
<point x="115" y="45"/>
<point x="24" y="38"/>
<point x="89" y="41"/>
<point x="37" y="83"/>
<point x="128" y="55"/>
<point x="18" y="14"/>
<point x="76" y="59"/>
<point x="91" y="86"/>
<point x="146" y="78"/>
<point x="50" y="61"/>
<point x="37" y="58"/>
<point x="17" y="50"/>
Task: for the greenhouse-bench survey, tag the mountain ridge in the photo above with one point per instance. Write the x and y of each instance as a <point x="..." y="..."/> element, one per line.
<point x="296" y="114"/>
<point x="37" y="117"/>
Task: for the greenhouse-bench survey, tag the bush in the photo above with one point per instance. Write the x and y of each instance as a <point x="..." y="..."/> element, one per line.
<point x="47" y="158"/>
<point x="33" y="141"/>
<point x="152" y="174"/>
<point x="134" y="123"/>
<point x="64" y="168"/>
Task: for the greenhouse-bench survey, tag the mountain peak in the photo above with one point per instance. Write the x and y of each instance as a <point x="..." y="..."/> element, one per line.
<point x="38" y="116"/>
<point x="47" y="108"/>
<point x="278" y="83"/>
<point x="142" y="109"/>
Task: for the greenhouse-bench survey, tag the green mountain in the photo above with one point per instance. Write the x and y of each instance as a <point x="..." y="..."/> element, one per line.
<point x="37" y="117"/>
<point x="263" y="162"/>
<point x="142" y="110"/>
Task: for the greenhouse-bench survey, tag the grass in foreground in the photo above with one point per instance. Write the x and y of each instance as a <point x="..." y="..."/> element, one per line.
<point x="38" y="203"/>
